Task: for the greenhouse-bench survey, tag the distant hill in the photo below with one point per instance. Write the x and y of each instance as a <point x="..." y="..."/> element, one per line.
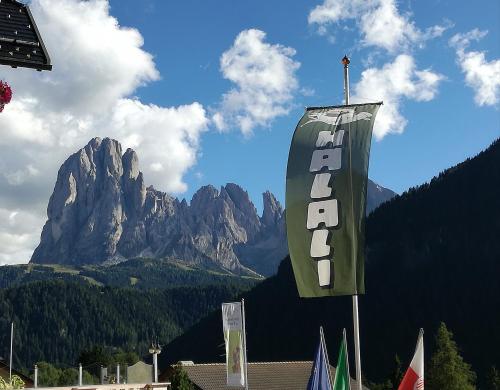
<point x="101" y="212"/>
<point x="55" y="320"/>
<point x="433" y="254"/>
<point x="140" y="274"/>
<point x="376" y="195"/>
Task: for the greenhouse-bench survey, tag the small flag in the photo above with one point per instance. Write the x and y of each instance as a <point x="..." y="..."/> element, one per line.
<point x="414" y="376"/>
<point x="320" y="374"/>
<point x="342" y="377"/>
<point x="232" y="322"/>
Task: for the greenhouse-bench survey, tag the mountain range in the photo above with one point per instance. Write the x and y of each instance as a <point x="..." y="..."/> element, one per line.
<point x="101" y="212"/>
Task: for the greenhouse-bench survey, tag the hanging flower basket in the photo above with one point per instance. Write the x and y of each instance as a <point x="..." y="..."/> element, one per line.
<point x="5" y="94"/>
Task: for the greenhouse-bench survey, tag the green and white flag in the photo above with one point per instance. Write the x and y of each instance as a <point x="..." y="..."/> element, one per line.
<point x="232" y="323"/>
<point x="342" y="379"/>
<point x="326" y="199"/>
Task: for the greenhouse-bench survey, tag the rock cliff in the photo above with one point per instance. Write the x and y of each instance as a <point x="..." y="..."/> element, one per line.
<point x="101" y="212"/>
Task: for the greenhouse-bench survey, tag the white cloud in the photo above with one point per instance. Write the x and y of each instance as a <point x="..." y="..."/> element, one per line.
<point x="393" y="83"/>
<point x="481" y="75"/>
<point x="166" y="139"/>
<point x="19" y="234"/>
<point x="96" y="61"/>
<point x="19" y="177"/>
<point x="461" y="41"/>
<point x="89" y="93"/>
<point x="379" y="21"/>
<point x="264" y="78"/>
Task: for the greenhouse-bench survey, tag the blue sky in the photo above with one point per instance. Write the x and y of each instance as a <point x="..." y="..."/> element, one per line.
<point x="187" y="39"/>
<point x="209" y="92"/>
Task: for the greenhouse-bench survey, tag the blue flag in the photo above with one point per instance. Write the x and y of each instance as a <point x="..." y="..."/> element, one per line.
<point x="320" y="374"/>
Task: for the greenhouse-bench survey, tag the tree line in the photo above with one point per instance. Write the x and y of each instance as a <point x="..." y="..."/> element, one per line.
<point x="55" y="320"/>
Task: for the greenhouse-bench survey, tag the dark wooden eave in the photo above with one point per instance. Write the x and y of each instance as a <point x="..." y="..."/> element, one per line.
<point x="20" y="42"/>
<point x="4" y="373"/>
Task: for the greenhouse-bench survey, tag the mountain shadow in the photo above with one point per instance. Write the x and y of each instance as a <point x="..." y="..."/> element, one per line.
<point x="433" y="254"/>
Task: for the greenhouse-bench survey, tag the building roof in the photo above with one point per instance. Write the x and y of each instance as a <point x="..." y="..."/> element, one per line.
<point x="4" y="373"/>
<point x="20" y="41"/>
<point x="261" y="376"/>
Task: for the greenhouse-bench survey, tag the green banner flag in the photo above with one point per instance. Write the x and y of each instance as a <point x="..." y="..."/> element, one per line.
<point x="342" y="378"/>
<point x="326" y="199"/>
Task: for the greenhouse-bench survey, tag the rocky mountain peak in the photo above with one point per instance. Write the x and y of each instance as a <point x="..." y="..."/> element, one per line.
<point x="240" y="198"/>
<point x="113" y="156"/>
<point x="203" y="197"/>
<point x="102" y="212"/>
<point x="273" y="211"/>
<point x="130" y="163"/>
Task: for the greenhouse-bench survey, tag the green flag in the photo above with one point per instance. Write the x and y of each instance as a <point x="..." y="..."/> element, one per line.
<point x="326" y="199"/>
<point x="342" y="378"/>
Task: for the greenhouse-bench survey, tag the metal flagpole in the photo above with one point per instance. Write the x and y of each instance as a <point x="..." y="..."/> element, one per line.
<point x="344" y="335"/>
<point x="357" y="352"/>
<point x="346" y="62"/>
<point x="244" y="343"/>
<point x="355" y="312"/>
<point x="11" y="344"/>
<point x="323" y="344"/>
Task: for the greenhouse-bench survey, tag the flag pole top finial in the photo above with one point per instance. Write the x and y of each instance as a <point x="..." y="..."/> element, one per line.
<point x="346" y="61"/>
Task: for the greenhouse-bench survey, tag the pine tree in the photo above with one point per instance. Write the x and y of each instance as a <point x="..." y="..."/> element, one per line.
<point x="68" y="377"/>
<point x="180" y="380"/>
<point x="447" y="368"/>
<point x="48" y="375"/>
<point x="494" y="379"/>
<point x="397" y="372"/>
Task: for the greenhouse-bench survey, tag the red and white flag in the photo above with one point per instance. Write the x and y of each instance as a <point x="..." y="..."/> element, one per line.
<point x="414" y="376"/>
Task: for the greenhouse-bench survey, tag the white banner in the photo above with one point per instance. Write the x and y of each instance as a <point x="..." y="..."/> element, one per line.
<point x="232" y="323"/>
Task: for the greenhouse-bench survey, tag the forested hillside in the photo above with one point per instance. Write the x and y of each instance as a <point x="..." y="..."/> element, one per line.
<point x="56" y="320"/>
<point x="432" y="255"/>
<point x="140" y="273"/>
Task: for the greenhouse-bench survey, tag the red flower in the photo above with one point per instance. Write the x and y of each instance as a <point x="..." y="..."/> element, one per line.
<point x="5" y="94"/>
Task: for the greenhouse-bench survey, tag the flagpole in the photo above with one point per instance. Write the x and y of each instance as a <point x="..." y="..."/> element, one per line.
<point x="347" y="358"/>
<point x="346" y="62"/>
<point x="244" y="343"/>
<point x="323" y="343"/>
<point x="11" y="345"/>
<point x="355" y="312"/>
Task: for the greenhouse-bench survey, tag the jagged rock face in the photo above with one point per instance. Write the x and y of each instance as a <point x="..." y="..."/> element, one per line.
<point x="86" y="208"/>
<point x="102" y="212"/>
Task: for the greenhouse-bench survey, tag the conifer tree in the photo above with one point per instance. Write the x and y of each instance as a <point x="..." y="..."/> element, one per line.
<point x="180" y="380"/>
<point x="494" y="379"/>
<point x="48" y="375"/>
<point x="397" y="372"/>
<point x="447" y="369"/>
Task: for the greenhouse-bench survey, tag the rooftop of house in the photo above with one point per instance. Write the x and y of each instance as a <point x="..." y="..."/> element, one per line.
<point x="21" y="44"/>
<point x="261" y="376"/>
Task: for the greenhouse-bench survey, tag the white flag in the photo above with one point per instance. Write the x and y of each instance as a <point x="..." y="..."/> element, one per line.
<point x="232" y="323"/>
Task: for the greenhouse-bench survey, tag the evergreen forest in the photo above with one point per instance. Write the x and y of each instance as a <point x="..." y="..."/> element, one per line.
<point x="55" y="320"/>
<point x="432" y="256"/>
